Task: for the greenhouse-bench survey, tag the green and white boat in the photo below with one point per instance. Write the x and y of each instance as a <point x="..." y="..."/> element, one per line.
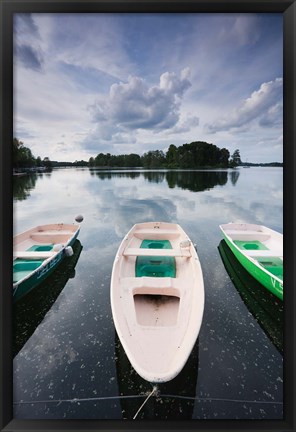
<point x="260" y="250"/>
<point x="38" y="251"/>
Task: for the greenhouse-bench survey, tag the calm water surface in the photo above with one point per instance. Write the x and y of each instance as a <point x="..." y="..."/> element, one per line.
<point x="68" y="360"/>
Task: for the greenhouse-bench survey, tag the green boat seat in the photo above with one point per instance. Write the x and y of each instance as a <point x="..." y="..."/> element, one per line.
<point x="23" y="267"/>
<point x="155" y="266"/>
<point x="40" y="248"/>
<point x="156" y="244"/>
<point x="250" y="244"/>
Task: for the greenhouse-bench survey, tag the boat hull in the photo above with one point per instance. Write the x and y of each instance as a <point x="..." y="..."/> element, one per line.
<point x="265" y="278"/>
<point x="40" y="273"/>
<point x="266" y="308"/>
<point x="30" y="310"/>
<point x="157" y="299"/>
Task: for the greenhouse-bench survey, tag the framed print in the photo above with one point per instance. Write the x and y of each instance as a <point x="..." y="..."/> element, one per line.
<point x="129" y="126"/>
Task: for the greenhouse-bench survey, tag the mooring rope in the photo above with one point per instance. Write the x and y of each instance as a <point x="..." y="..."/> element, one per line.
<point x="210" y="399"/>
<point x="151" y="393"/>
<point x="171" y="396"/>
<point x="92" y="399"/>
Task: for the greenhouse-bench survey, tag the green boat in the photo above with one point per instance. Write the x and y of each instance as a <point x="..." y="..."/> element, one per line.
<point x="30" y="310"/>
<point x="267" y="309"/>
<point x="260" y="251"/>
<point x="37" y="252"/>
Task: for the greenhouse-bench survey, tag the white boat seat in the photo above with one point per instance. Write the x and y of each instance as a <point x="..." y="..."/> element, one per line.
<point x="251" y="232"/>
<point x="52" y="232"/>
<point x="247" y="235"/>
<point x="157" y="252"/>
<point x="33" y="255"/>
<point x="153" y="285"/>
<point x="154" y="282"/>
<point x="263" y="253"/>
<point x="139" y="282"/>
<point x="166" y="233"/>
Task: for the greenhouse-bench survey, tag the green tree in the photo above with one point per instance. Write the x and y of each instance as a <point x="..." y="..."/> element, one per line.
<point x="132" y="160"/>
<point x="172" y="157"/>
<point x="100" y="160"/>
<point x="38" y="161"/>
<point x="91" y="162"/>
<point x="22" y="156"/>
<point x="47" y="162"/>
<point x="224" y="157"/>
<point x="154" y="159"/>
<point x="235" y="159"/>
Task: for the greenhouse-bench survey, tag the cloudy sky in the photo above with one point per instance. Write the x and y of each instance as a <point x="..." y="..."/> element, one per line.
<point x="130" y="83"/>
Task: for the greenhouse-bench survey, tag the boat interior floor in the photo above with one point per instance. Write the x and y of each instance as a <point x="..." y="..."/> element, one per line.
<point x="250" y="245"/>
<point x="155" y="266"/>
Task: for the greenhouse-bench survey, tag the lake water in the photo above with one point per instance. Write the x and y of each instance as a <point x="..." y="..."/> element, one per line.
<point x="68" y="360"/>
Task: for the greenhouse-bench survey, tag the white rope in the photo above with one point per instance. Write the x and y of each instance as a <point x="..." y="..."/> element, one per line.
<point x="153" y="391"/>
<point x="59" y="401"/>
<point x="220" y="399"/>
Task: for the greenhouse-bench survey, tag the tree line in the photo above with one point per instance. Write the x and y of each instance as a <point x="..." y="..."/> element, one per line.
<point x="194" y="155"/>
<point x="24" y="158"/>
<point x="198" y="154"/>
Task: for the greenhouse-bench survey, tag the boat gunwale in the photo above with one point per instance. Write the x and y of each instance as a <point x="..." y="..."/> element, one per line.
<point x="38" y="230"/>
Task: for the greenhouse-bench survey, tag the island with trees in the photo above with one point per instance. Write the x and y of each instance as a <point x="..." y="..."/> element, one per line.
<point x="195" y="155"/>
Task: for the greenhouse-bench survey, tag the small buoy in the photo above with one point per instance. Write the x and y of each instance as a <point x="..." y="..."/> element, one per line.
<point x="69" y="251"/>
<point x="79" y="218"/>
<point x="57" y="247"/>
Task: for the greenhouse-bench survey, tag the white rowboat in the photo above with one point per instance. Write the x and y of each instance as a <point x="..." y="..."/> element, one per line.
<point x="157" y="298"/>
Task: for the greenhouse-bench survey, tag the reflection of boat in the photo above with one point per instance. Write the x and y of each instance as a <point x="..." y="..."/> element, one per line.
<point x="30" y="310"/>
<point x="260" y="251"/>
<point x="37" y="252"/>
<point x="174" y="399"/>
<point x="157" y="298"/>
<point x="265" y="307"/>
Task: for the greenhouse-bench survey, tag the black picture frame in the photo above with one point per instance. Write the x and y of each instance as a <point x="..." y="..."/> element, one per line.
<point x="7" y="9"/>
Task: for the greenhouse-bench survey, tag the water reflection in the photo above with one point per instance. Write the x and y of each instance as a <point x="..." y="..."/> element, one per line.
<point x="234" y="175"/>
<point x="29" y="311"/>
<point x="173" y="400"/>
<point x="195" y="181"/>
<point x="23" y="185"/>
<point x="155" y="176"/>
<point x="69" y="365"/>
<point x="108" y="175"/>
<point x="265" y="307"/>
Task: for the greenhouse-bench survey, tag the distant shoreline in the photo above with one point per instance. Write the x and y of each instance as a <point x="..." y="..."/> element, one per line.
<point x="22" y="171"/>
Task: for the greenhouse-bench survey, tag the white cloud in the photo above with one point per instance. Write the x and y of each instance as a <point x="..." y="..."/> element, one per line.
<point x="90" y="83"/>
<point x="185" y="125"/>
<point x="242" y="30"/>
<point x="273" y="116"/>
<point x="86" y="40"/>
<point x="136" y="105"/>
<point x="27" y="42"/>
<point x="264" y="105"/>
